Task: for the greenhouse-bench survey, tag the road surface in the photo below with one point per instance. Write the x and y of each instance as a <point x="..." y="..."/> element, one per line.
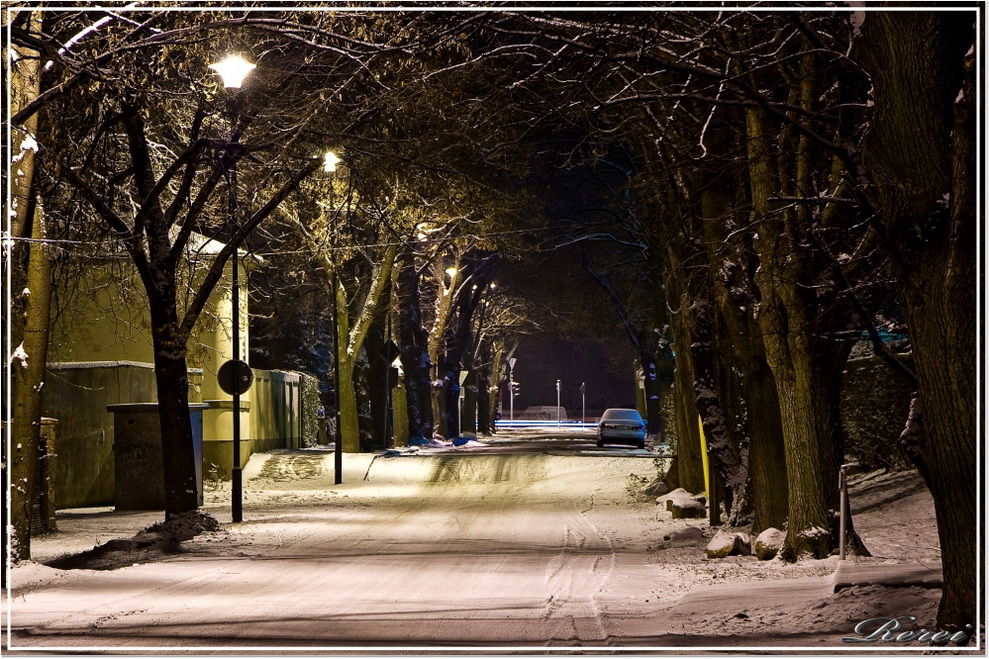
<point x="529" y="547"/>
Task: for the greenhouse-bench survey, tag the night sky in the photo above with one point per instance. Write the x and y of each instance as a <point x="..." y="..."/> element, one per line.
<point x="543" y="361"/>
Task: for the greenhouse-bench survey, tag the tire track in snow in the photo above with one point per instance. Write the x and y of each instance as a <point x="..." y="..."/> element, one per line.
<point x="576" y="575"/>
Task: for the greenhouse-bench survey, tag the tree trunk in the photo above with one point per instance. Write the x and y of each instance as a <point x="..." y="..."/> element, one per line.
<point x="363" y="392"/>
<point x="172" y="380"/>
<point x="497" y="377"/>
<point x="25" y="77"/>
<point x="647" y="362"/>
<point x="451" y="394"/>
<point x="349" y="431"/>
<point x="798" y="317"/>
<point x="690" y="467"/>
<point x="744" y="376"/>
<point x="468" y="414"/>
<point x="767" y="457"/>
<point x="352" y="328"/>
<point x="27" y="373"/>
<point x="923" y="158"/>
<point x="724" y="454"/>
<point x="379" y="389"/>
<point x="414" y="352"/>
<point x="437" y="341"/>
<point x="484" y="417"/>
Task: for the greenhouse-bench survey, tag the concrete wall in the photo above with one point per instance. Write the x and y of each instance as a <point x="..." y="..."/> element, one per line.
<point x="271" y="417"/>
<point x="77" y="395"/>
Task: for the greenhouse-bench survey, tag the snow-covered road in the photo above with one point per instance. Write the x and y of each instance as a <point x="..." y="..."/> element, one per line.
<point x="498" y="550"/>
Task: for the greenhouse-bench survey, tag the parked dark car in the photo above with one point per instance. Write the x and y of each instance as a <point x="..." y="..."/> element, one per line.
<point x="622" y="426"/>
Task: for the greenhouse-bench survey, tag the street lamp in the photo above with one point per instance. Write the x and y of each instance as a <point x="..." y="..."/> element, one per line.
<point x="511" y="388"/>
<point x="583" y="402"/>
<point x="330" y="161"/>
<point x="233" y="70"/>
<point x="559" y="421"/>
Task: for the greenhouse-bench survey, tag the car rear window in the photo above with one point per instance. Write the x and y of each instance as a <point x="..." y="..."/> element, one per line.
<point x="628" y="415"/>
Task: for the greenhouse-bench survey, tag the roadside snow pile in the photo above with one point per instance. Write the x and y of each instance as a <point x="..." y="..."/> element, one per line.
<point x="150" y="544"/>
<point x="186" y="526"/>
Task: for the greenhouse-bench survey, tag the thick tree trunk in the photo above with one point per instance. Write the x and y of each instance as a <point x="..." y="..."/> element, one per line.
<point x="922" y="155"/>
<point x="349" y="431"/>
<point x="172" y="380"/>
<point x="808" y="386"/>
<point x="414" y="352"/>
<point x="468" y="414"/>
<point x="690" y="467"/>
<point x="744" y="377"/>
<point x="724" y="453"/>
<point x="767" y="457"/>
<point x="451" y="390"/>
<point x="27" y="373"/>
<point x="799" y="317"/>
<point x="25" y="77"/>
<point x="379" y="390"/>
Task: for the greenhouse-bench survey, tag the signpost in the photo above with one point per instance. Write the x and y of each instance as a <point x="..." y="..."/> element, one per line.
<point x="235" y="377"/>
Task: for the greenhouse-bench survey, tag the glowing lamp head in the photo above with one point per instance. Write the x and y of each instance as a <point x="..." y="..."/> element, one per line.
<point x="233" y="70"/>
<point x="330" y="161"/>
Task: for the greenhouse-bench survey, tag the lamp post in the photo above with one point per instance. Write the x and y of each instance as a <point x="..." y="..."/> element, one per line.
<point x="511" y="389"/>
<point x="559" y="420"/>
<point x="233" y="70"/>
<point x="583" y="402"/>
<point x="330" y="161"/>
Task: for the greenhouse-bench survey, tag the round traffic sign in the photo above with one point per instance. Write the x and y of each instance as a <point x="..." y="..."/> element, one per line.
<point x="235" y="377"/>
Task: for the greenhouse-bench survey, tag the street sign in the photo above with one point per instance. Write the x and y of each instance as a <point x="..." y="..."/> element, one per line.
<point x="235" y="377"/>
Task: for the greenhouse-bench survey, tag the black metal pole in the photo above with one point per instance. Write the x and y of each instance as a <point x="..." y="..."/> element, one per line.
<point x="236" y="476"/>
<point x="337" y="444"/>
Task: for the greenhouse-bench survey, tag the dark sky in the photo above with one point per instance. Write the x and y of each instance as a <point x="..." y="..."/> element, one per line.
<point x="543" y="361"/>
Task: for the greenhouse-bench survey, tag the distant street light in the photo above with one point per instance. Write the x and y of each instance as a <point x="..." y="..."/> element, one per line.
<point x="559" y="420"/>
<point x="511" y="388"/>
<point x="233" y="70"/>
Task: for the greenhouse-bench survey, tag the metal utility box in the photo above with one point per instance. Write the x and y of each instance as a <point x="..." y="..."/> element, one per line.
<point x="138" y="466"/>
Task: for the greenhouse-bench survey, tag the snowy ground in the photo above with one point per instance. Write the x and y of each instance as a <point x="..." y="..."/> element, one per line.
<point x="482" y="549"/>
